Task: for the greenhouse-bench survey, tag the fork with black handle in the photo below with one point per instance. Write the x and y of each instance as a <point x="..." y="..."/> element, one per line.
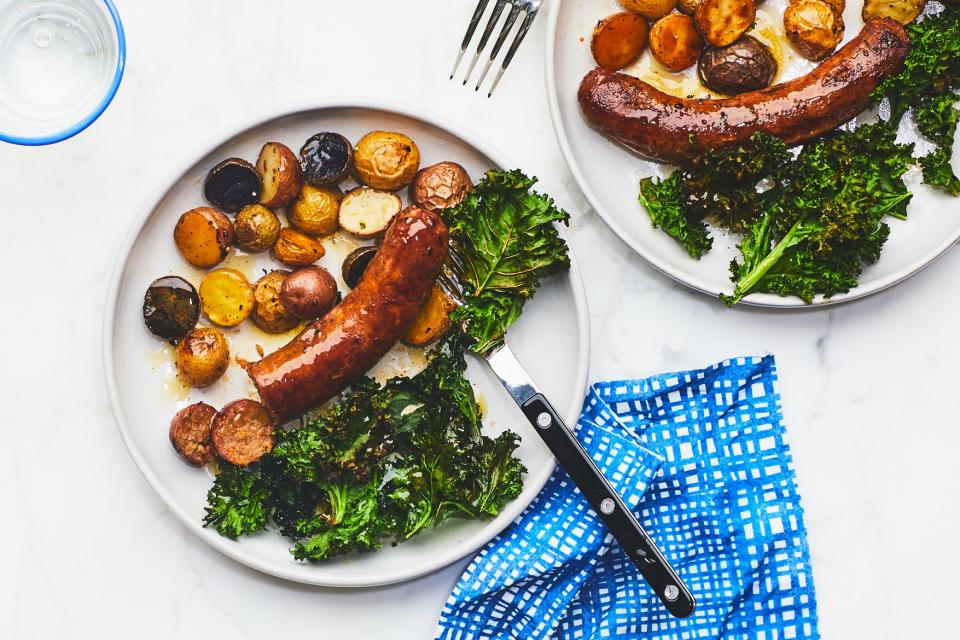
<point x="578" y="464"/>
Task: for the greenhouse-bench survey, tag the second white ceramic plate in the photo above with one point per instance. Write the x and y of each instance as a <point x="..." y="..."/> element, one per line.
<point x="609" y="175"/>
<point x="145" y="392"/>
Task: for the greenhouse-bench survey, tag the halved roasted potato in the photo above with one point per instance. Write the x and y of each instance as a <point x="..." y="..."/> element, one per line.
<point x="813" y="27"/>
<point x="675" y="41"/>
<point x="649" y="9"/>
<point x="316" y="209"/>
<point x="297" y="249"/>
<point x="722" y="22"/>
<point x="226" y="297"/>
<point x="433" y="321"/>
<point x="232" y="185"/>
<point x="203" y="236"/>
<point x="618" y="40"/>
<point x="269" y="313"/>
<point x="903" y="11"/>
<point x="367" y="212"/>
<point x="279" y="171"/>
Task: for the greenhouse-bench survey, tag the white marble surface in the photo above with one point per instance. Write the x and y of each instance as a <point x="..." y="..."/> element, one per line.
<point x="869" y="389"/>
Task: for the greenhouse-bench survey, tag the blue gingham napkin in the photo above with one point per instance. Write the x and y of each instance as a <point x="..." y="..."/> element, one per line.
<point x="701" y="458"/>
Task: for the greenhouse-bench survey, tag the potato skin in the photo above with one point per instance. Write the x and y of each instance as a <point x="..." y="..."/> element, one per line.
<point x="618" y="40"/>
<point x="903" y="11"/>
<point x="202" y="357"/>
<point x="269" y="313"/>
<point x="297" y="249"/>
<point x="256" y="228"/>
<point x="190" y="433"/>
<point x="722" y="22"/>
<point x="745" y="65"/>
<point x="171" y="307"/>
<point x="279" y="170"/>
<point x="315" y="210"/>
<point x="649" y="9"/>
<point x="226" y="297"/>
<point x="675" y="42"/>
<point x="386" y="160"/>
<point x="688" y="7"/>
<point x="440" y="186"/>
<point x="432" y="322"/>
<point x="203" y="236"/>
<point x="813" y="27"/>
<point x="309" y="293"/>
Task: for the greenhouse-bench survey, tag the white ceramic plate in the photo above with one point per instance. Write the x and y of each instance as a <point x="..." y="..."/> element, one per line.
<point x="551" y="338"/>
<point x="609" y="175"/>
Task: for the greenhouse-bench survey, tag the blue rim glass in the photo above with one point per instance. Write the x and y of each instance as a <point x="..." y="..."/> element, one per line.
<point x="73" y="130"/>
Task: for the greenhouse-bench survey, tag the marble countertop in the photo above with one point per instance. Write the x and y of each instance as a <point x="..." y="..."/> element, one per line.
<point x="86" y="547"/>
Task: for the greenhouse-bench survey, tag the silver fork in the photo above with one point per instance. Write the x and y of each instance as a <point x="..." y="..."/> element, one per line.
<point x="529" y="7"/>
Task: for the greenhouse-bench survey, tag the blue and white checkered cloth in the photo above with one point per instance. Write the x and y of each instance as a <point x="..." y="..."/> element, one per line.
<point x="701" y="457"/>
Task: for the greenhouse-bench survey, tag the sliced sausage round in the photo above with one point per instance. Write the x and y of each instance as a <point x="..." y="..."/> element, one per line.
<point x="242" y="432"/>
<point x="190" y="432"/>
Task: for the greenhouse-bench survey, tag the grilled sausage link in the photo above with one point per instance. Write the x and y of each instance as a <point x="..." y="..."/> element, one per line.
<point x="339" y="348"/>
<point x="671" y="129"/>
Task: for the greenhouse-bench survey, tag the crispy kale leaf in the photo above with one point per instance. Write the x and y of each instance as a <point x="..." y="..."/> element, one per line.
<point x="723" y="185"/>
<point x="929" y="84"/>
<point x="236" y="504"/>
<point x="824" y="221"/>
<point x="503" y="241"/>
<point x="380" y="463"/>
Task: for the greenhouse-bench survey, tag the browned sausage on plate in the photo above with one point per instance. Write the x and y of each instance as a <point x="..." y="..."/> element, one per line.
<point x="339" y="348"/>
<point x="242" y="432"/>
<point x="190" y="432"/>
<point x="671" y="129"/>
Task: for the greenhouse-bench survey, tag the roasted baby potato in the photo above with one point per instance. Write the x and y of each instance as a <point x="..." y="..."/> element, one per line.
<point x="232" y="185"/>
<point x="297" y="249"/>
<point x="203" y="236"/>
<point x="356" y="263"/>
<point x="649" y="9"/>
<point x="722" y="22"/>
<point x="326" y="158"/>
<point x="316" y="209"/>
<point x="903" y="11"/>
<point x="433" y="321"/>
<point x="280" y="175"/>
<point x="440" y="186"/>
<point x="688" y="7"/>
<point x="256" y="228"/>
<point x="813" y="27"/>
<point x="226" y="296"/>
<point x="745" y="65"/>
<point x="386" y="160"/>
<point x="171" y="307"/>
<point x="675" y="41"/>
<point x="202" y="357"/>
<point x="309" y="292"/>
<point x="269" y="313"/>
<point x="367" y="212"/>
<point x="618" y="40"/>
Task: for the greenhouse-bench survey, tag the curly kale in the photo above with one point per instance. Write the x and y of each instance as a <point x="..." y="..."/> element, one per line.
<point x="383" y="462"/>
<point x="929" y="85"/>
<point x="502" y="242"/>
<point x="823" y="221"/>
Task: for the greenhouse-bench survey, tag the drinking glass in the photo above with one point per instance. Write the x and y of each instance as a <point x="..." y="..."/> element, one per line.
<point x="60" y="66"/>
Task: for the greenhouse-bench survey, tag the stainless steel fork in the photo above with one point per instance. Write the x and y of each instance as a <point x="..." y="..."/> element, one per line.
<point x="528" y="7"/>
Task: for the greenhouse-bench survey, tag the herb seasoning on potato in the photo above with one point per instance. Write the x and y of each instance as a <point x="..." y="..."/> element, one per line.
<point x="226" y="296"/>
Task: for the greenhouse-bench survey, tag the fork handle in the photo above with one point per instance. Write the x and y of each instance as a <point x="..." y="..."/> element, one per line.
<point x="618" y="518"/>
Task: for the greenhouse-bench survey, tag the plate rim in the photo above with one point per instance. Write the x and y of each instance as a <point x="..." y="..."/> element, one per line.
<point x="762" y="300"/>
<point x="534" y="481"/>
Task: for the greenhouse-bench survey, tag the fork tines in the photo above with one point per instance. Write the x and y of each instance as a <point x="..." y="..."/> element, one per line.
<point x="527" y="7"/>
